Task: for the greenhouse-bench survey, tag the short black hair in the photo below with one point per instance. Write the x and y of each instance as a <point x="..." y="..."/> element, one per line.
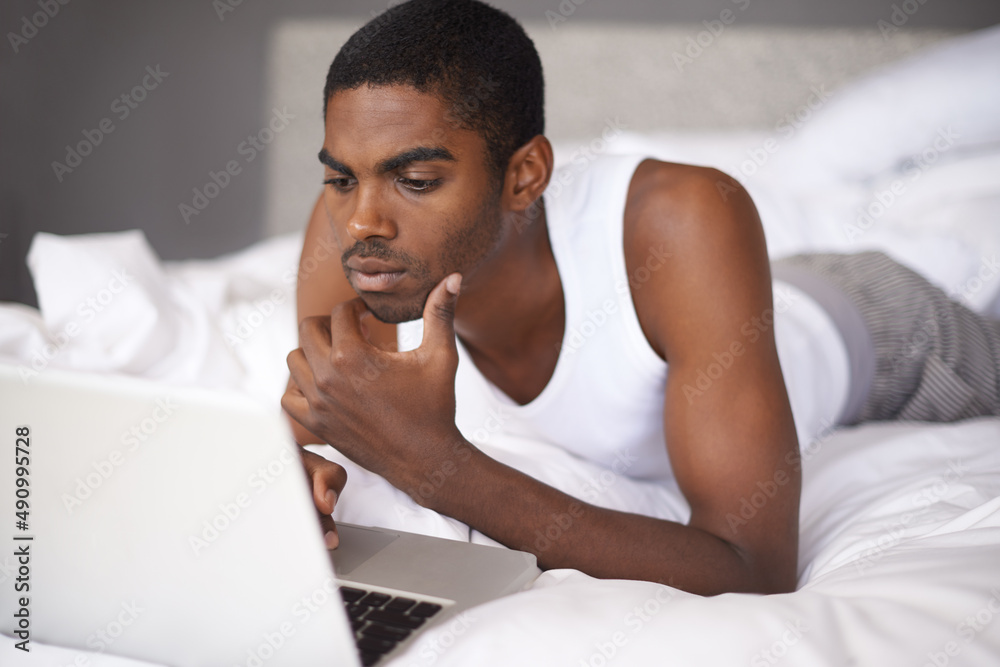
<point x="477" y="58"/>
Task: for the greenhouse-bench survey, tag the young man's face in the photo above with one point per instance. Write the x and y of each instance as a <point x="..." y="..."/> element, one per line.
<point x="408" y="195"/>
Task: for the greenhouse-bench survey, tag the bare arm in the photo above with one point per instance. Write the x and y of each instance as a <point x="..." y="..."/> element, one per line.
<point x="737" y="437"/>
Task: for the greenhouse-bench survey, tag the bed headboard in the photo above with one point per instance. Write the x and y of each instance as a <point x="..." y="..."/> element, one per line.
<point x="660" y="77"/>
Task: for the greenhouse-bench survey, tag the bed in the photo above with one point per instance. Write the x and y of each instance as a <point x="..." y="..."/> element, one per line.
<point x="900" y="522"/>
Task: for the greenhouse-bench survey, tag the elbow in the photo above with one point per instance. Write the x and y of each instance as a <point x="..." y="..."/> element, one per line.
<point x="769" y="573"/>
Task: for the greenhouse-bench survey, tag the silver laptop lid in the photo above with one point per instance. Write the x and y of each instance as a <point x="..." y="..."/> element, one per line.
<point x="171" y="525"/>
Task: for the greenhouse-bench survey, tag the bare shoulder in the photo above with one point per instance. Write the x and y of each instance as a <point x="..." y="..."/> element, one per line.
<point x="669" y="202"/>
<point x="703" y="222"/>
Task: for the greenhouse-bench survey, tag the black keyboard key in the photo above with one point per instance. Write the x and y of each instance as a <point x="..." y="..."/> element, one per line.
<point x="425" y="609"/>
<point x="399" y="604"/>
<point x="395" y="619"/>
<point x="351" y="594"/>
<point x="376" y="644"/>
<point x="357" y="612"/>
<point x="374" y="599"/>
<point x="376" y="629"/>
<point x="381" y="621"/>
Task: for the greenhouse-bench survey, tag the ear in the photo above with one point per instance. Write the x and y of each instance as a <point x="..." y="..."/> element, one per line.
<point x="528" y="174"/>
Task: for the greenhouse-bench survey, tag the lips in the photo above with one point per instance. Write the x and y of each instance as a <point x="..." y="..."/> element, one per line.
<point x="374" y="275"/>
<point x="372" y="265"/>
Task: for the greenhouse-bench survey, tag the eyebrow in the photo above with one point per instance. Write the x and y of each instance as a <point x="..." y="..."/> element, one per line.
<point x="418" y="154"/>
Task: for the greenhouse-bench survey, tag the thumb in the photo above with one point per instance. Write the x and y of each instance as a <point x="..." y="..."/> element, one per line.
<point x="439" y="312"/>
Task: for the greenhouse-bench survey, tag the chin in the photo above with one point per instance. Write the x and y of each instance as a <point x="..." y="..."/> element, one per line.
<point x="384" y="310"/>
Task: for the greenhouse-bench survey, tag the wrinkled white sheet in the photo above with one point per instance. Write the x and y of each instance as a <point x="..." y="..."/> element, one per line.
<point x="900" y="546"/>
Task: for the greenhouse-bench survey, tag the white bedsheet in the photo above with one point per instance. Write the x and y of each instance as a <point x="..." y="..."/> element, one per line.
<point x="900" y="544"/>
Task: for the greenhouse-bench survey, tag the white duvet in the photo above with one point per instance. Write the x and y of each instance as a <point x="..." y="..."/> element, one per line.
<point x="900" y="541"/>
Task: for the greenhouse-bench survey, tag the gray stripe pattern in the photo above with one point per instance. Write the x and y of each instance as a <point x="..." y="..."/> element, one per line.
<point x="935" y="359"/>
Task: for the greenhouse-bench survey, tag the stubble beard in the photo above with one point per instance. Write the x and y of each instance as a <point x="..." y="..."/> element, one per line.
<point x="461" y="249"/>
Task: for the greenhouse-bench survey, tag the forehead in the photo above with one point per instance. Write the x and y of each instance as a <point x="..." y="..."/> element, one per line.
<point x="367" y="124"/>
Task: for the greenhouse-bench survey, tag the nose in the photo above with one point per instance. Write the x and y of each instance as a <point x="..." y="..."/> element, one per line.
<point x="370" y="217"/>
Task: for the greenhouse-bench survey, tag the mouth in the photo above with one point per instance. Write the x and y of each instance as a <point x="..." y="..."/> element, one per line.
<point x="374" y="275"/>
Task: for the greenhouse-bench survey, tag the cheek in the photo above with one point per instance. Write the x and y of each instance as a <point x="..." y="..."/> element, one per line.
<point x="472" y="240"/>
<point x="337" y="212"/>
<point x="424" y="229"/>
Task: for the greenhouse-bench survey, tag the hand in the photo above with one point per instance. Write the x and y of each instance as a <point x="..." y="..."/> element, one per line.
<point x="391" y="412"/>
<point x="327" y="480"/>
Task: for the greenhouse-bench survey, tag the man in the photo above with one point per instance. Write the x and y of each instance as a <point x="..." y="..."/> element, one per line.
<point x="436" y="165"/>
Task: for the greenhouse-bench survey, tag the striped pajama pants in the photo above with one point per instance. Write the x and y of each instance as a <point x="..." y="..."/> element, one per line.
<point x="914" y="353"/>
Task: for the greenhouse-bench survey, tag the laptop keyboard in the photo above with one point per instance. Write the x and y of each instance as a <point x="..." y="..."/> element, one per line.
<point x="381" y="621"/>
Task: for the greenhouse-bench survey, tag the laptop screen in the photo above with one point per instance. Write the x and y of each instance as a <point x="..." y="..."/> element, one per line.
<point x="167" y="524"/>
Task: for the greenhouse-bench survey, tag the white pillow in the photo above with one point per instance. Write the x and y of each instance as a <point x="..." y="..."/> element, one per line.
<point x="942" y="101"/>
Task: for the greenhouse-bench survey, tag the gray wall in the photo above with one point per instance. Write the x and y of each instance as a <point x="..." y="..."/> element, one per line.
<point x="64" y="80"/>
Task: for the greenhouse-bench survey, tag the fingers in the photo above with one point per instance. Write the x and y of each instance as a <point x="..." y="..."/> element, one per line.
<point x="363" y="320"/>
<point x="439" y="312"/>
<point x="323" y="339"/>
<point x="315" y="338"/>
<point x="345" y="319"/>
<point x="327" y="480"/>
<point x="330" y="536"/>
<point x="316" y="334"/>
<point x="293" y="396"/>
<point x="294" y="401"/>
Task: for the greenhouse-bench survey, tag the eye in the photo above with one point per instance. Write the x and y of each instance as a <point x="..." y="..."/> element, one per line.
<point x="418" y="185"/>
<point x="340" y="183"/>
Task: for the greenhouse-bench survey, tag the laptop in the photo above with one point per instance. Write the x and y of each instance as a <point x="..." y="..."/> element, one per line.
<point x="175" y="525"/>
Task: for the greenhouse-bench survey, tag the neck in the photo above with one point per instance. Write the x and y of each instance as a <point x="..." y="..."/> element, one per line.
<point x="512" y="299"/>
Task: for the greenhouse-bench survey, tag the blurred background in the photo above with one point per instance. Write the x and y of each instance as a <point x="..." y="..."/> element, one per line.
<point x="116" y="114"/>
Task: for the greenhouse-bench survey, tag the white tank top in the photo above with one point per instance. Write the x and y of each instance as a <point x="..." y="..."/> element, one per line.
<point x="604" y="401"/>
